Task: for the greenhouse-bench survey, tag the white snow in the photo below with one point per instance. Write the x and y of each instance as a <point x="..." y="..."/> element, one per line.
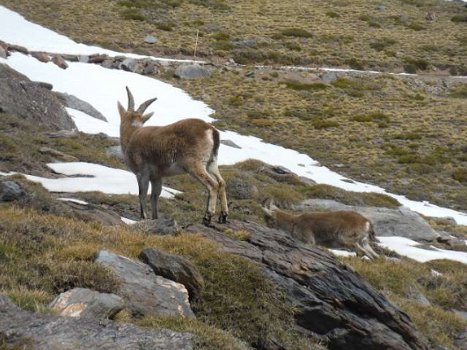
<point x="407" y="247"/>
<point x="128" y="221"/>
<point x="103" y="87"/>
<point x="73" y="200"/>
<point x="85" y="177"/>
<point x="344" y="253"/>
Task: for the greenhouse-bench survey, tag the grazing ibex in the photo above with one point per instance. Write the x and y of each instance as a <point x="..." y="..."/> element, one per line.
<point x="153" y="152"/>
<point x="338" y="229"/>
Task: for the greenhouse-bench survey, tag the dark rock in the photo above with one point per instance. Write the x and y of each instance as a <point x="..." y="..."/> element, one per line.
<point x="74" y="102"/>
<point x="87" y="303"/>
<point x="150" y="39"/>
<point x="21" y="329"/>
<point x="162" y="226"/>
<point x="90" y="212"/>
<point x="41" y="56"/>
<point x="59" y="61"/>
<point x="45" y="85"/>
<point x="10" y="191"/>
<point x="240" y="188"/>
<point x="18" y="48"/>
<point x="230" y="143"/>
<point x="331" y="300"/>
<point x="387" y="222"/>
<point x="175" y="268"/>
<point x="192" y="71"/>
<point x="144" y="292"/>
<point x="29" y="100"/>
<point x="70" y="58"/>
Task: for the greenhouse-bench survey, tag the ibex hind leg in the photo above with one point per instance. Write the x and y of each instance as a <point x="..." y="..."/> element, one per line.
<point x="214" y="171"/>
<point x="143" y="185"/>
<point x="202" y="175"/>
<point x="156" y="189"/>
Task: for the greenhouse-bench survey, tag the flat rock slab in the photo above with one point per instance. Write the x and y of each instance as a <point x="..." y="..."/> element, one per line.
<point x="144" y="292"/>
<point x="87" y="303"/>
<point x="387" y="222"/>
<point x="21" y="329"/>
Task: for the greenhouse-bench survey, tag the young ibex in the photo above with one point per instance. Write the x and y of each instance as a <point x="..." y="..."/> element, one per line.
<point x="338" y="229"/>
<point x="153" y="152"/>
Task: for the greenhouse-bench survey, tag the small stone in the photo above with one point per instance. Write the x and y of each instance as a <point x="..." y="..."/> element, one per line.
<point x="97" y="58"/>
<point x="150" y="39"/>
<point x="10" y="191"/>
<point x="59" y="61"/>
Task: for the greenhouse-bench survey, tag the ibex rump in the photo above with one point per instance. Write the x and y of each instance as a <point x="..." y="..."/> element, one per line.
<point x="153" y="152"/>
<point x="338" y="229"/>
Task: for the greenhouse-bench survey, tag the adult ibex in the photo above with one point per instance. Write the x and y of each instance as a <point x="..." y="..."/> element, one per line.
<point x="337" y="229"/>
<point x="153" y="152"/>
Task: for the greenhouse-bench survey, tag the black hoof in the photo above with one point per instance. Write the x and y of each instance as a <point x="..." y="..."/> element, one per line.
<point x="207" y="220"/>
<point x="222" y="218"/>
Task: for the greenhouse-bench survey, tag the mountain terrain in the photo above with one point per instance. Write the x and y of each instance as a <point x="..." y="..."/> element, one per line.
<point x="254" y="287"/>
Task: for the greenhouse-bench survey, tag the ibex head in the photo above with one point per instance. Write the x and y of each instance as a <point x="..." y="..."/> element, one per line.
<point x="136" y="118"/>
<point x="269" y="210"/>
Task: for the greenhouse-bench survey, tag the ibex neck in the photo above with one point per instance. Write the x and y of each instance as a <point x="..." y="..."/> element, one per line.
<point x="285" y="221"/>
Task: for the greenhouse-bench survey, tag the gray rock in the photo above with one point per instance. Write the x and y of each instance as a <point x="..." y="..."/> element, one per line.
<point x="59" y="61"/>
<point x="230" y="143"/>
<point x="74" y="102"/>
<point x="87" y="303"/>
<point x="192" y="71"/>
<point x="387" y="222"/>
<point x="175" y="268"/>
<point x="57" y="154"/>
<point x="31" y="101"/>
<point x="18" y="48"/>
<point x="91" y="212"/>
<point x="10" y="191"/>
<point x="129" y="65"/>
<point x="27" y="330"/>
<point x="240" y="188"/>
<point x="144" y="292"/>
<point x="162" y="226"/>
<point x="149" y="68"/>
<point x="150" y="39"/>
<point x="330" y="299"/>
<point x="115" y="151"/>
<point x="3" y="52"/>
<point x="329" y="77"/>
<point x="83" y="58"/>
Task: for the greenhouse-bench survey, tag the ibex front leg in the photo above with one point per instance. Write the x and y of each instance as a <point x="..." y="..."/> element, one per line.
<point x="156" y="188"/>
<point x="143" y="184"/>
<point x="214" y="171"/>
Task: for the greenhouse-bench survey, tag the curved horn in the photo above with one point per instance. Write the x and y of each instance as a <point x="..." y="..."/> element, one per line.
<point x="131" y="100"/>
<point x="145" y="105"/>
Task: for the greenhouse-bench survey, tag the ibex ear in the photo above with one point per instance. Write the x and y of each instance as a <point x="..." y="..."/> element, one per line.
<point x="121" y="110"/>
<point x="147" y="116"/>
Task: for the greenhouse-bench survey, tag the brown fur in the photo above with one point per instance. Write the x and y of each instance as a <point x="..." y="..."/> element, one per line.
<point x="337" y="229"/>
<point x="153" y="152"/>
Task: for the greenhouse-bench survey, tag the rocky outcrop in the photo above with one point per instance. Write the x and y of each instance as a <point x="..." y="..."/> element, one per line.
<point x="87" y="303"/>
<point x="175" y="268"/>
<point x="331" y="300"/>
<point x="144" y="292"/>
<point x="21" y="329"/>
<point x="80" y="105"/>
<point x="31" y="101"/>
<point x="387" y="222"/>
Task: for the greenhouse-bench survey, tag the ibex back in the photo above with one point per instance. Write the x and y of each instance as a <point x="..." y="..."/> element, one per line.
<point x="338" y="229"/>
<point x="187" y="146"/>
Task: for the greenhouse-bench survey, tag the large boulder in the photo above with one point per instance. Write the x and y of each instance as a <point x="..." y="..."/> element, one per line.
<point x="175" y="268"/>
<point x="21" y="329"/>
<point x="32" y="101"/>
<point x="74" y="102"/>
<point x="87" y="303"/>
<point x="144" y="292"/>
<point x="330" y="299"/>
<point x="387" y="222"/>
<point x="192" y="71"/>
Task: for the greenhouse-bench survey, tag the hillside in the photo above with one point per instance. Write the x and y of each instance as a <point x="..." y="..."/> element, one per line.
<point x="248" y="285"/>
